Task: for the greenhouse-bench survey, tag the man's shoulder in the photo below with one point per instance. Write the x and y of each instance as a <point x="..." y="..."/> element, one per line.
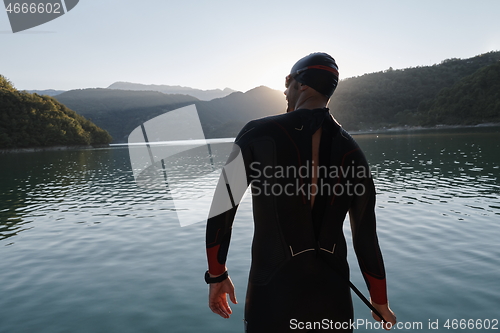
<point x="342" y="134"/>
<point x="349" y="149"/>
<point x="260" y="125"/>
<point x="269" y="119"/>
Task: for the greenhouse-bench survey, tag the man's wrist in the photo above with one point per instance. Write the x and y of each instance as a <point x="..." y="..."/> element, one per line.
<point x="209" y="279"/>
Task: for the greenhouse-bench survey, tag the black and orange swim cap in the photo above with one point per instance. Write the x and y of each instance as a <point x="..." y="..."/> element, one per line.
<point x="317" y="70"/>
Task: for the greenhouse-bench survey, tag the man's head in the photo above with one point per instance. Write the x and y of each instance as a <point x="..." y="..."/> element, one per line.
<point x="317" y="71"/>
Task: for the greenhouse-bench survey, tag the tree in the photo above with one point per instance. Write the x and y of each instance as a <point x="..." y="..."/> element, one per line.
<point x="30" y="120"/>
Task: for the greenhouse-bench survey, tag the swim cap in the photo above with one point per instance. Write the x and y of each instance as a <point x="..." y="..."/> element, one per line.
<point x="317" y="70"/>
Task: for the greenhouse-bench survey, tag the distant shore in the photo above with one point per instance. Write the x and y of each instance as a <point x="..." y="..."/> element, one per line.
<point x="373" y="131"/>
<point x="50" y="148"/>
<point x="420" y="128"/>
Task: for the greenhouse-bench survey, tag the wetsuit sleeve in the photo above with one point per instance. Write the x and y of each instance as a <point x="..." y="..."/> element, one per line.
<point x="220" y="221"/>
<point x="365" y="241"/>
<point x="218" y="237"/>
<point x="219" y="226"/>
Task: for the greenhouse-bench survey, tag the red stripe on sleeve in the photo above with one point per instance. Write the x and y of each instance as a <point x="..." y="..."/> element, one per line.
<point x="378" y="289"/>
<point x="214" y="267"/>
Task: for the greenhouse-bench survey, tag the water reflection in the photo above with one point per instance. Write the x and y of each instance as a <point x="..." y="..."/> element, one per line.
<point x="428" y="166"/>
<point x="92" y="251"/>
<point x="57" y="182"/>
<point x="434" y="166"/>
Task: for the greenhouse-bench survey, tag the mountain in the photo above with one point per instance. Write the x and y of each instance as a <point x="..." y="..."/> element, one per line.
<point x="420" y="96"/>
<point x="31" y="120"/>
<point x="224" y="117"/>
<point x="48" y="92"/>
<point x="204" y="95"/>
<point x="473" y="100"/>
<point x="399" y="97"/>
<point x="120" y="111"/>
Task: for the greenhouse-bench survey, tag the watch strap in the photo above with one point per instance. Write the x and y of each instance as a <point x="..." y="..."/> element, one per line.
<point x="217" y="279"/>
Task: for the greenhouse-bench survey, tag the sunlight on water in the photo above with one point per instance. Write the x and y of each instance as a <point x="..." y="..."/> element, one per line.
<point x="84" y="249"/>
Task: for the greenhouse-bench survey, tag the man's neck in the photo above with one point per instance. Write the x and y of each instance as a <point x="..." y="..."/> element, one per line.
<point x="311" y="102"/>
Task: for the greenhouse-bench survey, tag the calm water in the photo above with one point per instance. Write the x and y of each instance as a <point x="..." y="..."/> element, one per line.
<point x="83" y="249"/>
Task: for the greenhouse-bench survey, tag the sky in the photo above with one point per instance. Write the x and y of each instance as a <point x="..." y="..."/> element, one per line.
<point x="239" y="44"/>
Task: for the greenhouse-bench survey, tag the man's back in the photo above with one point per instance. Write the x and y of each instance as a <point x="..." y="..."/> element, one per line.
<point x="306" y="173"/>
<point x="299" y="251"/>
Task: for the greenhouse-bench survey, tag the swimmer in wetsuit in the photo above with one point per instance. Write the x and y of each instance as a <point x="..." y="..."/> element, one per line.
<point x="306" y="173"/>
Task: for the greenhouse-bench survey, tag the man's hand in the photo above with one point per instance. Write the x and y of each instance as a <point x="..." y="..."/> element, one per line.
<point x="386" y="312"/>
<point x="217" y="300"/>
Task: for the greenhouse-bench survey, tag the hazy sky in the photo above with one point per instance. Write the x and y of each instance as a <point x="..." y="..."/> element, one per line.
<point x="239" y="44"/>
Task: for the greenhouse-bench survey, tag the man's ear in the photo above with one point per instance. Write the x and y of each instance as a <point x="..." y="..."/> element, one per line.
<point x="303" y="87"/>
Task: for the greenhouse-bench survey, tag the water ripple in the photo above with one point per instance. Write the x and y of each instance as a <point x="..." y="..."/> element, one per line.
<point x="86" y="250"/>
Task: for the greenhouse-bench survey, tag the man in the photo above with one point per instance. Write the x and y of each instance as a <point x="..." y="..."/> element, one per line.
<point x="306" y="174"/>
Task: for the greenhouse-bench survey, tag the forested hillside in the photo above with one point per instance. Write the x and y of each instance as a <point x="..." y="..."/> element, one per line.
<point x="120" y="111"/>
<point x="31" y="120"/>
<point x="454" y="92"/>
<point x="474" y="99"/>
<point x="400" y="97"/>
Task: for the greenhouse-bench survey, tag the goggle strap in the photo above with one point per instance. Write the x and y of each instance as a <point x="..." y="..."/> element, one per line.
<point x="325" y="68"/>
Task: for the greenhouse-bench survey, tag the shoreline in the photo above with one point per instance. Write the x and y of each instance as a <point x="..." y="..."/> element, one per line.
<point x="50" y="148"/>
<point x="421" y="128"/>
<point x="361" y="132"/>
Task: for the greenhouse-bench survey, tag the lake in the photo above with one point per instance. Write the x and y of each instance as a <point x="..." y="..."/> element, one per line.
<point x="84" y="249"/>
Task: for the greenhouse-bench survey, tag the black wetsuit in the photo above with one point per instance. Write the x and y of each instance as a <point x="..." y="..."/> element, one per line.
<point x="299" y="253"/>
